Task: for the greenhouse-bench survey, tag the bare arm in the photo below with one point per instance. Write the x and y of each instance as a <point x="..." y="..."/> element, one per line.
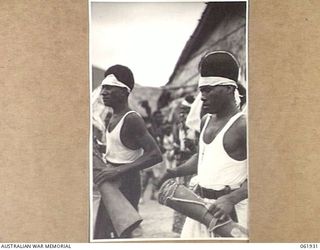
<point x="142" y="139"/>
<point x="235" y="141"/>
<point x="190" y="167"/>
<point x="224" y="205"/>
<point x="239" y="194"/>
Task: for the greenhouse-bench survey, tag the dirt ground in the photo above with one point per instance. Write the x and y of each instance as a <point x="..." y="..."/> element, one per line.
<point x="157" y="219"/>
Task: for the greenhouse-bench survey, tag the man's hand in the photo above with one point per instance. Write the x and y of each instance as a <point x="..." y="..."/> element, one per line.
<point x="171" y="173"/>
<point x="221" y="208"/>
<point x="107" y="174"/>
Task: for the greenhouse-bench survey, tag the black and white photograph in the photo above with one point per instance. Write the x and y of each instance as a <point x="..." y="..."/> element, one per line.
<point x="168" y="112"/>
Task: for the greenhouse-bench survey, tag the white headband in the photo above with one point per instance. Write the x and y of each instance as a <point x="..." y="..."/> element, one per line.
<point x="111" y="80"/>
<point x="216" y="80"/>
<point x="222" y="81"/>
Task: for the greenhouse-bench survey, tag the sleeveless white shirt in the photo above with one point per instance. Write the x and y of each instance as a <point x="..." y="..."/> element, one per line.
<point x="216" y="168"/>
<point x="116" y="152"/>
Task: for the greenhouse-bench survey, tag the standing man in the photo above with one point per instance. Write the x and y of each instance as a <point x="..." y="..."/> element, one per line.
<point x="221" y="163"/>
<point x="129" y="146"/>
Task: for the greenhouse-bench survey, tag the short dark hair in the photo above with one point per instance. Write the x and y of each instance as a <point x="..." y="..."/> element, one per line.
<point x="219" y="63"/>
<point x="189" y="99"/>
<point x="122" y="73"/>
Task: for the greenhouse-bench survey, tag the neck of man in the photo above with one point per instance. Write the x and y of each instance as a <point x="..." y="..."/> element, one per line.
<point x="121" y="108"/>
<point x="228" y="111"/>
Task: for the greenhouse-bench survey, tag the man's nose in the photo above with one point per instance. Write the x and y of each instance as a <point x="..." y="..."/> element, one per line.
<point x="103" y="92"/>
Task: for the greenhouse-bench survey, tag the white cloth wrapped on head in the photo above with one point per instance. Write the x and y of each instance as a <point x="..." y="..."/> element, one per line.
<point x="193" y="119"/>
<point x="99" y="110"/>
<point x="111" y="80"/>
<point x="220" y="81"/>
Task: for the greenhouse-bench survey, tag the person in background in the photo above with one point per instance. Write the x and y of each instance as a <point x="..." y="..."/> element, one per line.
<point x="168" y="145"/>
<point x="187" y="137"/>
<point x="157" y="121"/>
<point x="186" y="141"/>
<point x="151" y="175"/>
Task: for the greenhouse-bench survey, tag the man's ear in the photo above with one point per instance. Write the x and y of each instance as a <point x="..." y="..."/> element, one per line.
<point x="230" y="89"/>
<point x="123" y="93"/>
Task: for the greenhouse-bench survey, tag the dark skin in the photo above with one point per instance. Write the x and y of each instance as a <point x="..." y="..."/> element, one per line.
<point x="219" y="101"/>
<point x="224" y="205"/>
<point x="234" y="140"/>
<point x="133" y="135"/>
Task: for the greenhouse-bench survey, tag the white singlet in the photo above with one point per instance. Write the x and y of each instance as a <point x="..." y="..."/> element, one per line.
<point x="116" y="152"/>
<point x="216" y="168"/>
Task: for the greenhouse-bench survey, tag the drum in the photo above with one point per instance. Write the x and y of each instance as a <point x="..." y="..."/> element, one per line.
<point x="183" y="200"/>
<point x="123" y="215"/>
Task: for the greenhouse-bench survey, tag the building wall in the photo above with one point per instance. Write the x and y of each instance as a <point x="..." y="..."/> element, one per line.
<point x="230" y="35"/>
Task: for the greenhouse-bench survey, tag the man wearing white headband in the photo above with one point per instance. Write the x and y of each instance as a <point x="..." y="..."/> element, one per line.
<point x="129" y="146"/>
<point x="221" y="163"/>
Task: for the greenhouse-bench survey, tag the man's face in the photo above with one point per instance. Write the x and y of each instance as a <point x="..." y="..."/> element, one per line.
<point x="158" y="118"/>
<point x="112" y="95"/>
<point x="214" y="98"/>
<point x="184" y="111"/>
<point x="167" y="130"/>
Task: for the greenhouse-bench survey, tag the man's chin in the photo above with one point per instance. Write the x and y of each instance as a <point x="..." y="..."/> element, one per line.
<point x="211" y="112"/>
<point x="107" y="104"/>
<point x="208" y="110"/>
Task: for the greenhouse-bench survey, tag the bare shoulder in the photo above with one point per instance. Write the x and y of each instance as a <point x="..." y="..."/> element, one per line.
<point x="235" y="139"/>
<point x="241" y="122"/>
<point x="133" y="117"/>
<point x="134" y="122"/>
<point x="240" y="126"/>
<point x="136" y="133"/>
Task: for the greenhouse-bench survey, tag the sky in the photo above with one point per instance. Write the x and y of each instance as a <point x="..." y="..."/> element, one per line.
<point x="148" y="37"/>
